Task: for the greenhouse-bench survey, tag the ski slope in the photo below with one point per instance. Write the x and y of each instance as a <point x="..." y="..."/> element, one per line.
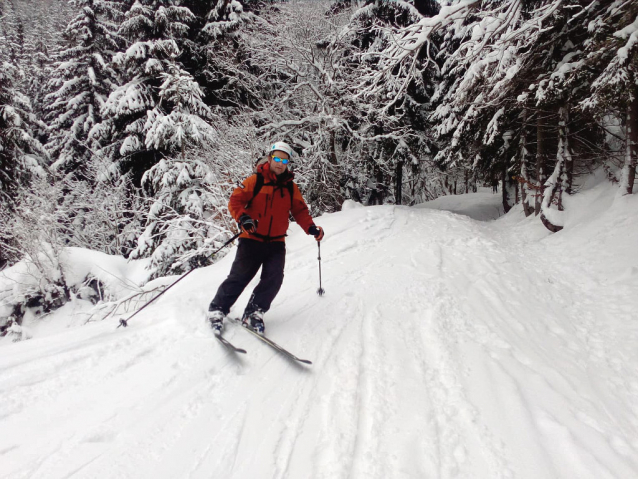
<point x="445" y="347"/>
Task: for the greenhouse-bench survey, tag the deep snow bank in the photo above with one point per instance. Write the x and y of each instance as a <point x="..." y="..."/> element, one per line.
<point x="115" y="277"/>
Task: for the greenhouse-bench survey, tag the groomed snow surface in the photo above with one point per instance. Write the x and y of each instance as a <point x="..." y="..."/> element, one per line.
<point x="447" y="346"/>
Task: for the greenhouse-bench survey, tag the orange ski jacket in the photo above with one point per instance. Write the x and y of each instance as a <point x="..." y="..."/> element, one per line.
<point x="272" y="205"/>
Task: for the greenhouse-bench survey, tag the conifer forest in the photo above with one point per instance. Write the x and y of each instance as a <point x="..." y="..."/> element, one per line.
<point x="126" y="124"/>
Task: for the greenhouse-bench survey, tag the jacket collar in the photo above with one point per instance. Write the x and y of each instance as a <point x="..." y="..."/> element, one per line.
<point x="271" y="177"/>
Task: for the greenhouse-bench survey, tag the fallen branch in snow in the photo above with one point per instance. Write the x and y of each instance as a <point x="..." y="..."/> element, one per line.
<point x="113" y="307"/>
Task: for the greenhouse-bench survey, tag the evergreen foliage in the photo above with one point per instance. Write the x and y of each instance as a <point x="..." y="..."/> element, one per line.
<point x="21" y="154"/>
<point x="81" y="82"/>
<point x="127" y="135"/>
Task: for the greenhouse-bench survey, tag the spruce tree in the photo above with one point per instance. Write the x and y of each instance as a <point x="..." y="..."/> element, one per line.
<point x="177" y="235"/>
<point x="216" y="52"/>
<point x="82" y="81"/>
<point x="612" y="53"/>
<point x="21" y="154"/>
<point x="393" y="118"/>
<point x="153" y="124"/>
<point x="152" y="28"/>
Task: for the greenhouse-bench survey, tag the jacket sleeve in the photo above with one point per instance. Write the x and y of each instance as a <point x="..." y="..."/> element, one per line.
<point x="241" y="196"/>
<point x="300" y="210"/>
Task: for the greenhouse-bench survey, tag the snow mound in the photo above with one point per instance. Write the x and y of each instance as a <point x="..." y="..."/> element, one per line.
<point x="350" y="205"/>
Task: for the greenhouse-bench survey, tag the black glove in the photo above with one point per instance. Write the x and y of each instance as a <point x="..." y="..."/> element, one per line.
<point x="316" y="231"/>
<point x="247" y="224"/>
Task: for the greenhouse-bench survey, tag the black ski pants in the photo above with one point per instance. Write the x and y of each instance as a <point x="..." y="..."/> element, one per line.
<point x="251" y="255"/>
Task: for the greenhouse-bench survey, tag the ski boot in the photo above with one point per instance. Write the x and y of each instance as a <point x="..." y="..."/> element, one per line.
<point x="216" y="318"/>
<point x="254" y="320"/>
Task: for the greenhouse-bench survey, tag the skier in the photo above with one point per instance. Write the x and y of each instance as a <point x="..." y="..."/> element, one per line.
<point x="261" y="206"/>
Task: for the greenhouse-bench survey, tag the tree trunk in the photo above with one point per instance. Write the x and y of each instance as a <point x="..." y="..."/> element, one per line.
<point x="332" y="157"/>
<point x="558" y="181"/>
<point x="541" y="162"/>
<point x="525" y="194"/>
<point x="381" y="185"/>
<point x="467" y="181"/>
<point x="631" y="157"/>
<point x="398" y="192"/>
<point x="504" y="183"/>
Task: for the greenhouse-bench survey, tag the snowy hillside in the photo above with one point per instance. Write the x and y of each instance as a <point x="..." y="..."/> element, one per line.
<point x="445" y="347"/>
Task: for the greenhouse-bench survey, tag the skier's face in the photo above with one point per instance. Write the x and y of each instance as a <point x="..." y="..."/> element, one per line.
<point x="277" y="167"/>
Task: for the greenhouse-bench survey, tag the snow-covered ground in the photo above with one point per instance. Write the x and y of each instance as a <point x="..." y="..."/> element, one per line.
<point x="483" y="205"/>
<point x="445" y="347"/>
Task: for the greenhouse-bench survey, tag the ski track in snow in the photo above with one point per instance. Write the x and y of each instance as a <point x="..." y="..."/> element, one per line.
<point x="444" y="348"/>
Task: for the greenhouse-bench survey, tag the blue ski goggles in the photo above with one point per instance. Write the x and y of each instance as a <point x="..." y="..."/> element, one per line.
<point x="280" y="160"/>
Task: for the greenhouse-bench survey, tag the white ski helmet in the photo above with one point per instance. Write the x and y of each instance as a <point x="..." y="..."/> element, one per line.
<point x="281" y="146"/>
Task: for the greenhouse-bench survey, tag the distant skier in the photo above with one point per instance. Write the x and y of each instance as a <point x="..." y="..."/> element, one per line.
<point x="261" y="206"/>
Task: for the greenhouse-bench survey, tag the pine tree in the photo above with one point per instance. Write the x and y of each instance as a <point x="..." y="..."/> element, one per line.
<point x="224" y="17"/>
<point x="216" y="52"/>
<point x="152" y="28"/>
<point x="21" y="155"/>
<point x="162" y="117"/>
<point x="177" y="184"/>
<point x="612" y="53"/>
<point x="403" y="146"/>
<point x="4" y="37"/>
<point x="13" y="32"/>
<point x="505" y="79"/>
<point x="81" y="83"/>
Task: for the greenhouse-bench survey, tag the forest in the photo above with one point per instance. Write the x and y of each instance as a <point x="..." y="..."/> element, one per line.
<point x="125" y="125"/>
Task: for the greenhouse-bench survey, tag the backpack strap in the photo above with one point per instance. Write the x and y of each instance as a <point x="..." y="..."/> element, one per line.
<point x="291" y="189"/>
<point x="258" y="184"/>
<point x="290" y="186"/>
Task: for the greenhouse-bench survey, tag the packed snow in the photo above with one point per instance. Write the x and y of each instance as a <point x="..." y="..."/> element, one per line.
<point x="449" y="344"/>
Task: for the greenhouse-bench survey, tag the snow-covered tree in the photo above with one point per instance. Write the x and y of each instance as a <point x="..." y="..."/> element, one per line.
<point x="215" y="52"/>
<point x="394" y="139"/>
<point x="98" y="212"/>
<point x="21" y="155"/>
<point x="4" y="33"/>
<point x="176" y="185"/>
<point x="187" y="216"/>
<point x="301" y="79"/>
<point x="509" y="70"/>
<point x="613" y="56"/>
<point x="81" y="83"/>
<point x="224" y="17"/>
<point x="309" y="73"/>
<point x="129" y="129"/>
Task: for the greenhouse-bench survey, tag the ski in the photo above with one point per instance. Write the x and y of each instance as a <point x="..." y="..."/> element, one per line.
<point x="228" y="344"/>
<point x="271" y="343"/>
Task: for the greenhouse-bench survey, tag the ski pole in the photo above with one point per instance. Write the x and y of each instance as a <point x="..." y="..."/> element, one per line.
<point x="124" y="322"/>
<point x="320" y="291"/>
